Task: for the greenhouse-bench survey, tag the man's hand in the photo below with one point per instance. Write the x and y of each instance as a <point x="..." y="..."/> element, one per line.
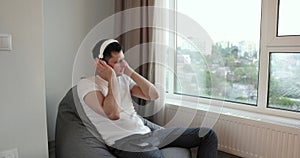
<point x="104" y="70"/>
<point x="128" y="70"/>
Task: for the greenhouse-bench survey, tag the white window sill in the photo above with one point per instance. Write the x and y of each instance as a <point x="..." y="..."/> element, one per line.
<point x="278" y="120"/>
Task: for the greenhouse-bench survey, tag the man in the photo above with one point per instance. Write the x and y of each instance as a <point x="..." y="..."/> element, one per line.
<point x="106" y="100"/>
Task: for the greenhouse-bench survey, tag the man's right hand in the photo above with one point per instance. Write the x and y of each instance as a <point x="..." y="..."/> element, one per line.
<point x="104" y="70"/>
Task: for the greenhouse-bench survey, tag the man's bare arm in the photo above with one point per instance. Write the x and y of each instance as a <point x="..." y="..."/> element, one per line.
<point x="112" y="100"/>
<point x="144" y="89"/>
<point x="108" y="105"/>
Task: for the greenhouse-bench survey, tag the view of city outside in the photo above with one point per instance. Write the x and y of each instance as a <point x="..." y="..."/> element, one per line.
<point x="284" y="85"/>
<point x="229" y="72"/>
<point x="225" y="65"/>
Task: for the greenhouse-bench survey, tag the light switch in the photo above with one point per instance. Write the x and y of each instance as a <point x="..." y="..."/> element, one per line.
<point x="13" y="153"/>
<point x="5" y="42"/>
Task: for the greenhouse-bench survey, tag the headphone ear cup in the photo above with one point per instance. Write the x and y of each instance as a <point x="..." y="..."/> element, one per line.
<point x="104" y="60"/>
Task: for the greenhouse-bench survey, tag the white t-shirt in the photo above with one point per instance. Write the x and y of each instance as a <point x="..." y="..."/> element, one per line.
<point x="112" y="130"/>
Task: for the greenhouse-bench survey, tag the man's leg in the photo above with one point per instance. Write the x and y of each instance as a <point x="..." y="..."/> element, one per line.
<point x="204" y="138"/>
<point x="137" y="146"/>
<point x="145" y="154"/>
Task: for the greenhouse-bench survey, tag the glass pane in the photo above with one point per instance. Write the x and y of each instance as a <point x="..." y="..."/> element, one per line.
<point x="223" y="65"/>
<point x="284" y="86"/>
<point x="288" y="21"/>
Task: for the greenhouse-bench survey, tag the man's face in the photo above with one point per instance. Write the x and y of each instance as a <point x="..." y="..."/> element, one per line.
<point x="117" y="62"/>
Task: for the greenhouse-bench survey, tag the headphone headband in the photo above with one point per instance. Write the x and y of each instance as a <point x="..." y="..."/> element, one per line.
<point x="104" y="45"/>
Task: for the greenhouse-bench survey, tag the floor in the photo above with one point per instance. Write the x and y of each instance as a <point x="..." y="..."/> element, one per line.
<point x="220" y="154"/>
<point x="226" y="155"/>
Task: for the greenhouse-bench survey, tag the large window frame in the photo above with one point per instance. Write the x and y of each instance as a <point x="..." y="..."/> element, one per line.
<point x="269" y="42"/>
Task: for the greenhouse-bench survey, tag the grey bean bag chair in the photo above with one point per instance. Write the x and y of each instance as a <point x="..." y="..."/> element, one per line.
<point x="76" y="137"/>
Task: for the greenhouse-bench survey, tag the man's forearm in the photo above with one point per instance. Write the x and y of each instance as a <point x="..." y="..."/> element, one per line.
<point x="112" y="100"/>
<point x="147" y="87"/>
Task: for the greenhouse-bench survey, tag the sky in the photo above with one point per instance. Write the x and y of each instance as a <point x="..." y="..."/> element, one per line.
<point x="225" y="20"/>
<point x="237" y="20"/>
<point x="289" y="23"/>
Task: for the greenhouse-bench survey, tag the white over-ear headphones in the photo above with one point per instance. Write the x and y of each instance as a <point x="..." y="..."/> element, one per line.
<point x="104" y="45"/>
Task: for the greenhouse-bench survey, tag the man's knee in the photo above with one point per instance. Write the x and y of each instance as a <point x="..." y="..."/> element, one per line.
<point x="213" y="136"/>
<point x="209" y="134"/>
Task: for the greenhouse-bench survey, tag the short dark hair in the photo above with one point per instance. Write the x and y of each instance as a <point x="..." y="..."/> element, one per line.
<point x="112" y="47"/>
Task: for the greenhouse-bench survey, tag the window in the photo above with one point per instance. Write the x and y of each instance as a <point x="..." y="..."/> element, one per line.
<point x="243" y="58"/>
<point x="284" y="83"/>
<point x="287" y="20"/>
<point x="225" y="65"/>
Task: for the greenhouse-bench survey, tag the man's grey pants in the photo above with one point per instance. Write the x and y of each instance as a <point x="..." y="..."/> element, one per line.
<point x="149" y="145"/>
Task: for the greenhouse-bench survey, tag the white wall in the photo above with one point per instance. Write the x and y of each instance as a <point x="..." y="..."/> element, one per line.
<point x="22" y="81"/>
<point x="66" y="24"/>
